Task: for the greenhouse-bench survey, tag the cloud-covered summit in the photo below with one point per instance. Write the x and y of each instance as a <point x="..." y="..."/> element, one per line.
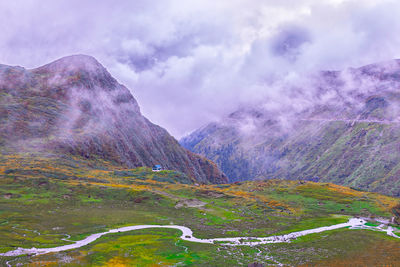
<point x="188" y="62"/>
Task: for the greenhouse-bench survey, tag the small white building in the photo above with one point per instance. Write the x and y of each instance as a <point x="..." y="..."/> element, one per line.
<point x="157" y="168"/>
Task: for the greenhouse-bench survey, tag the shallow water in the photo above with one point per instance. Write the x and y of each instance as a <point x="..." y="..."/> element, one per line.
<point x="187" y="234"/>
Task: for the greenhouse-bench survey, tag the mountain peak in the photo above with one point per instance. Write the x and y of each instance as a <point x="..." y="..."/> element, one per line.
<point x="78" y="70"/>
<point x="74" y="63"/>
<point x="79" y="59"/>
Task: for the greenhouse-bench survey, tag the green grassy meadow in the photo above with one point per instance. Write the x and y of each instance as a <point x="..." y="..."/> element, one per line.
<point x="45" y="200"/>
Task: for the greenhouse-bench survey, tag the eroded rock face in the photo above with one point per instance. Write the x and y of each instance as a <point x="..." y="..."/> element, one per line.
<point x="74" y="105"/>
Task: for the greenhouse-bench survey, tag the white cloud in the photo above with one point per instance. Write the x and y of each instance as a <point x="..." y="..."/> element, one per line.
<point x="187" y="62"/>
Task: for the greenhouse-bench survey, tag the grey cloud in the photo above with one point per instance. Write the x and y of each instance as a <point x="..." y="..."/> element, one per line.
<point x="189" y="62"/>
<point x="288" y="41"/>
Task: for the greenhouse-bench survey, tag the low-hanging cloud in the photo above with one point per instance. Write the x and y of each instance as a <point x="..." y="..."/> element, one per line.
<point x="188" y="62"/>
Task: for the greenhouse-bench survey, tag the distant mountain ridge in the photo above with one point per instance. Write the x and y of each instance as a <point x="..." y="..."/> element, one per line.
<point x="73" y="105"/>
<point x="351" y="139"/>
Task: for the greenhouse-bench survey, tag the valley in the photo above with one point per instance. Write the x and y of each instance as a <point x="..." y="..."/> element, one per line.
<point x="187" y="234"/>
<point x="199" y="133"/>
<point x="77" y="187"/>
<point x="44" y="207"/>
<point x="345" y="131"/>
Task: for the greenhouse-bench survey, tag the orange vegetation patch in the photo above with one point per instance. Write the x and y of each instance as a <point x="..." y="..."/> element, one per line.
<point x="330" y="189"/>
<point x="342" y="193"/>
<point x="345" y="190"/>
<point x="385" y="202"/>
<point x="118" y="262"/>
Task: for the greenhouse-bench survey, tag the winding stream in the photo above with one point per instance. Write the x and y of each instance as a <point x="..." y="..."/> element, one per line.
<point x="187" y="234"/>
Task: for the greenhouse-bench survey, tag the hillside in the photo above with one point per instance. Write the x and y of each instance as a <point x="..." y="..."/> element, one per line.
<point x="349" y="135"/>
<point x="48" y="202"/>
<point x="73" y="106"/>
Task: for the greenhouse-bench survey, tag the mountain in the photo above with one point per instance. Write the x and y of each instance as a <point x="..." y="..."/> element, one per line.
<point x="70" y="140"/>
<point x="348" y="133"/>
<point x="74" y="106"/>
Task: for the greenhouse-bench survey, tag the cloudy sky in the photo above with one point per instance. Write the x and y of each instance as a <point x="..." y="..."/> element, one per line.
<point x="190" y="61"/>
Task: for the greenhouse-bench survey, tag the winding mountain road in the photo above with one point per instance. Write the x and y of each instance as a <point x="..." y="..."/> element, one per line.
<point x="386" y="122"/>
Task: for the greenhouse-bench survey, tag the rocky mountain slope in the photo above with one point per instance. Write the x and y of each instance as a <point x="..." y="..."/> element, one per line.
<point x="348" y="135"/>
<point x="74" y="106"/>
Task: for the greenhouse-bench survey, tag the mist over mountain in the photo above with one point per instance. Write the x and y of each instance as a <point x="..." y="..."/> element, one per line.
<point x="289" y="151"/>
<point x="333" y="126"/>
<point x="74" y="106"/>
<point x="180" y="57"/>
